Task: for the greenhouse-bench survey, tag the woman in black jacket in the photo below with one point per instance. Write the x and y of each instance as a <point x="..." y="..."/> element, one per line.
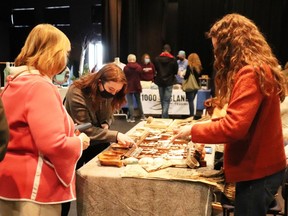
<point x="194" y="68"/>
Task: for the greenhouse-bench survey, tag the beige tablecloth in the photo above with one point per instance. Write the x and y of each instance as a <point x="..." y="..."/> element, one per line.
<point x="102" y="191"/>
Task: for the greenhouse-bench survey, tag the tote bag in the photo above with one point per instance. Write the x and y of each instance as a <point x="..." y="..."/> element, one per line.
<point x="190" y="84"/>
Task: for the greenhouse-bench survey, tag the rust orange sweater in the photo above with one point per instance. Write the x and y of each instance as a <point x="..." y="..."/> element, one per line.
<point x="251" y="129"/>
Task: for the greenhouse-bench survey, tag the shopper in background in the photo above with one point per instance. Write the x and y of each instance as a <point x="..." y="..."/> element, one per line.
<point x="119" y="63"/>
<point x="148" y="68"/>
<point x="166" y="68"/>
<point x="182" y="66"/>
<point x="249" y="79"/>
<point x="4" y="132"/>
<point x="38" y="172"/>
<point x="132" y="72"/>
<point x="93" y="98"/>
<point x="194" y="68"/>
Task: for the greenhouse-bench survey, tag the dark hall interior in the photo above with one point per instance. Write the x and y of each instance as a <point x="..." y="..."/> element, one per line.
<point x="139" y="26"/>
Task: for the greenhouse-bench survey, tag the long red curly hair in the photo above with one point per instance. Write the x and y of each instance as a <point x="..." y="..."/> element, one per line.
<point x="240" y="43"/>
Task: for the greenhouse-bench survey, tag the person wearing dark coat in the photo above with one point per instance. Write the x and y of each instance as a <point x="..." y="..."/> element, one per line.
<point x="194" y="68"/>
<point x="166" y="69"/>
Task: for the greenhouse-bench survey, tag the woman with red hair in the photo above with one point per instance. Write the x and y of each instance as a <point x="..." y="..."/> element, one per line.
<point x="249" y="80"/>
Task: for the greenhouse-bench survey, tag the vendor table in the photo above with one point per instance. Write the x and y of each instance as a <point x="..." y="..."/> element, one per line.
<point x="102" y="191"/>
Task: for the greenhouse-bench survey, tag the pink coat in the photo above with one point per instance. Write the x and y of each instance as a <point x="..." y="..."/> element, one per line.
<point x="42" y="152"/>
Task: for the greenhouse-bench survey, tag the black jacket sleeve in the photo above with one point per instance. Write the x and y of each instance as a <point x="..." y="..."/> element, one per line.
<point x="188" y="72"/>
<point x="4" y="132"/>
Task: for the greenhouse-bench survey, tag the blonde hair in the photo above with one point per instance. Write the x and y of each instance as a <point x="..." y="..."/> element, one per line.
<point x="131" y="58"/>
<point x="239" y="43"/>
<point x="46" y="49"/>
<point x="194" y="62"/>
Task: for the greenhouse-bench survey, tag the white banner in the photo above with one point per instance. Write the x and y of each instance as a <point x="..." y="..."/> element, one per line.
<point x="151" y="102"/>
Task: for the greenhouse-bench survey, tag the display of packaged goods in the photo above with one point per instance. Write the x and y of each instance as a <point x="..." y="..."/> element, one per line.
<point x="158" y="122"/>
<point x="153" y="145"/>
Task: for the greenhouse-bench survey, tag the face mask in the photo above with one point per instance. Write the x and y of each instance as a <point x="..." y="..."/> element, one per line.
<point x="105" y="94"/>
<point x="181" y="59"/>
<point x="147" y="61"/>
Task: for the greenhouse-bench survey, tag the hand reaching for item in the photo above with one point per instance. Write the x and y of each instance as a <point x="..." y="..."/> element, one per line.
<point x="182" y="132"/>
<point x="85" y="140"/>
<point x="125" y="140"/>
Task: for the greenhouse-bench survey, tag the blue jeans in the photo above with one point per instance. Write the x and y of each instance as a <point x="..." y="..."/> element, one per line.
<point x="165" y="94"/>
<point x="129" y="97"/>
<point x="253" y="198"/>
<point x="190" y="96"/>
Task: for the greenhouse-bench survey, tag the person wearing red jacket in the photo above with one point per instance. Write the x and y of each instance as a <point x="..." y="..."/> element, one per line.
<point x="148" y="68"/>
<point x="132" y="72"/>
<point x="249" y="80"/>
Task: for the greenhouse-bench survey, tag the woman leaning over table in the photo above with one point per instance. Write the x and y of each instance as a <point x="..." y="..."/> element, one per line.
<point x="93" y="99"/>
<point x="248" y="78"/>
<point x="38" y="172"/>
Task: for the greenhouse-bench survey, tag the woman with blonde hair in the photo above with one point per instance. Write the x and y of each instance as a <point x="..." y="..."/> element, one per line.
<point x="194" y="68"/>
<point x="249" y="79"/>
<point x="38" y="172"/>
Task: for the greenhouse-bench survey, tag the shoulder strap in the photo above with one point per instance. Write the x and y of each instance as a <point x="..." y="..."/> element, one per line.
<point x="192" y="70"/>
<point x="64" y="100"/>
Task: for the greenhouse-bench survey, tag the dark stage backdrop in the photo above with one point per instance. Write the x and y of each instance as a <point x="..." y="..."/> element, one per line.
<point x="183" y="24"/>
<point x="144" y="26"/>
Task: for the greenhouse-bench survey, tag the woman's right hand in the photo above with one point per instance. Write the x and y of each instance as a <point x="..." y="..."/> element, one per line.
<point x="182" y="132"/>
<point x="85" y="140"/>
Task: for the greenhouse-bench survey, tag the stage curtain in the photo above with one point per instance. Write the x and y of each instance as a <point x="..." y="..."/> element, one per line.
<point x="111" y="29"/>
